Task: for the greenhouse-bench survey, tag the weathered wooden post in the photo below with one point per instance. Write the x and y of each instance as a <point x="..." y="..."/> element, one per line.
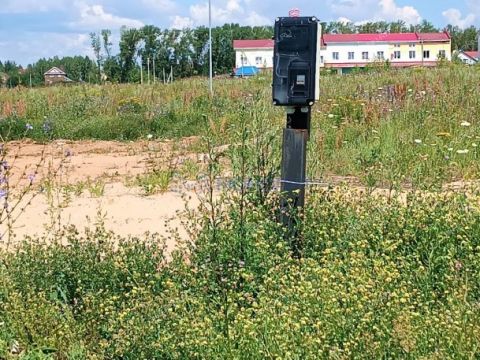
<point x="296" y="80"/>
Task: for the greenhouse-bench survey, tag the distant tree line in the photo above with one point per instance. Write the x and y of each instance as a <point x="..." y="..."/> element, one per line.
<point x="151" y="50"/>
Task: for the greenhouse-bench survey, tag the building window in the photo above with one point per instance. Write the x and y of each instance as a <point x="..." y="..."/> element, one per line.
<point x="335" y="55"/>
<point x="380" y="55"/>
<point x="243" y="59"/>
<point x="365" y="55"/>
<point x="396" y="45"/>
<point x="411" y="54"/>
<point x="426" y="54"/>
<point x="321" y="59"/>
<point x="412" y="45"/>
<point x="396" y="55"/>
<point x="351" y="55"/>
<point x="442" y="54"/>
<point x="258" y="60"/>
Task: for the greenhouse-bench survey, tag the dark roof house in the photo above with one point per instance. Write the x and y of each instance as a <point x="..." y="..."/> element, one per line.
<point x="56" y="76"/>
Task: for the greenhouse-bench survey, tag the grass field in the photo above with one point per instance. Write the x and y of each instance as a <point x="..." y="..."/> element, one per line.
<point x="381" y="274"/>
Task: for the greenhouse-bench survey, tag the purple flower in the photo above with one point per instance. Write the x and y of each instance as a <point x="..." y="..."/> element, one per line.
<point x="28" y="127"/>
<point x="31" y="177"/>
<point x="5" y="165"/>
<point x="3" y="193"/>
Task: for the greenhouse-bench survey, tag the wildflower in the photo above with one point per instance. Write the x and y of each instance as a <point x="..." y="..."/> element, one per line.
<point x="410" y="90"/>
<point x="462" y="152"/>
<point x="450" y="149"/>
<point x="474" y="145"/>
<point x="3" y="193"/>
<point x="375" y="131"/>
<point x="418" y="141"/>
<point x="458" y="265"/>
<point x="424" y="92"/>
<point x="47" y="127"/>
<point x="149" y="136"/>
<point x="331" y="116"/>
<point x="465" y="124"/>
<point x="31" y="178"/>
<point x="28" y="127"/>
<point x="3" y="180"/>
<point x="5" y="165"/>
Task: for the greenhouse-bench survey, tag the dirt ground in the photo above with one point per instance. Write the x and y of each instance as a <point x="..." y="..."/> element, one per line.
<point x="125" y="210"/>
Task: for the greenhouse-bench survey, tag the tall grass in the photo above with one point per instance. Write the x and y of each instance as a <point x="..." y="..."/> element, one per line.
<point x="373" y="276"/>
<point x="417" y="126"/>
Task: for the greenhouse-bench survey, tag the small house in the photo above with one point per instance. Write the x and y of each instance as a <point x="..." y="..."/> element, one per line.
<point x="56" y="76"/>
<point x="468" y="57"/>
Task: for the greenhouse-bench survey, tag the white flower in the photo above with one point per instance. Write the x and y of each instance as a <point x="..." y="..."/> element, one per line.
<point x="462" y="152"/>
<point x="331" y="116"/>
<point x="149" y="136"/>
<point x="465" y="123"/>
<point x="418" y="141"/>
<point x="410" y="90"/>
<point x="450" y="149"/>
<point x="375" y="131"/>
<point x="424" y="92"/>
<point x="474" y="144"/>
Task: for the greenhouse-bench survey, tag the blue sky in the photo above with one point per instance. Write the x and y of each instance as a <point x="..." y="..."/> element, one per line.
<point x="31" y="29"/>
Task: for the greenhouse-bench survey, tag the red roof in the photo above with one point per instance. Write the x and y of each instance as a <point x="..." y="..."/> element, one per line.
<point x="253" y="44"/>
<point x="393" y="37"/>
<point x="351" y="38"/>
<point x="348" y="38"/>
<point x="443" y="36"/>
<point x="473" y="54"/>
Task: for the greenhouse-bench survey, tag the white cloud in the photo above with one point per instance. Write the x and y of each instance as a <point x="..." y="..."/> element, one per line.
<point x="374" y="10"/>
<point x="161" y="5"/>
<point x="454" y="17"/>
<point x="92" y="17"/>
<point x="390" y="11"/>
<point x="30" y="6"/>
<point x="181" y="22"/>
<point x="223" y="11"/>
<point x="255" y="19"/>
<point x="344" y="20"/>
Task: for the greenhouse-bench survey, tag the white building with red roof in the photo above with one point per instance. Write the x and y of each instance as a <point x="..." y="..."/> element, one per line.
<point x="257" y="53"/>
<point x="346" y="51"/>
<point x="469" y="57"/>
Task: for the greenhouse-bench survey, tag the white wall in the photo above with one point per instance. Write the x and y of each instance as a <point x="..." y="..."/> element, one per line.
<point x="250" y="58"/>
<point x="357" y="49"/>
<point x="466" y="59"/>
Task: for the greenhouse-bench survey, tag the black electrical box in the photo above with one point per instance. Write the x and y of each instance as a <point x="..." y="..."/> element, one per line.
<point x="296" y="61"/>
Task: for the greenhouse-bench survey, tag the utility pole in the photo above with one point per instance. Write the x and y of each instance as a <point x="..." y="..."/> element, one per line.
<point x="210" y="46"/>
